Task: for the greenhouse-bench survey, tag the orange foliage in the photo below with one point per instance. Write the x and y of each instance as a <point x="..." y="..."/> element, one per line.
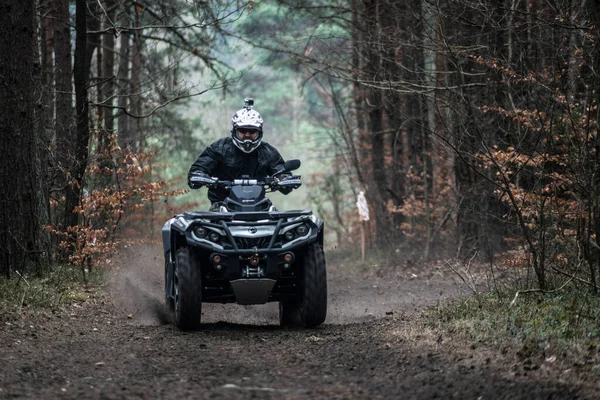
<point x="423" y="214"/>
<point x="547" y="181"/>
<point x="125" y="187"/>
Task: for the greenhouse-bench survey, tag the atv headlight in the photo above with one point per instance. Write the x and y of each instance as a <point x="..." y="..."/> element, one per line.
<point x="289" y="235"/>
<point x="200" y="231"/>
<point x="214" y="237"/>
<point x="302" y="230"/>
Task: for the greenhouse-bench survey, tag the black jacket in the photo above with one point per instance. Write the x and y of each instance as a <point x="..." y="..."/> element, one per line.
<point x="225" y="161"/>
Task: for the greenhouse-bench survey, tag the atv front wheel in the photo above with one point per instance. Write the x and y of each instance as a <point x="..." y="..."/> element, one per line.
<point x="169" y="301"/>
<point x="289" y="313"/>
<point x="188" y="289"/>
<point x="313" y="304"/>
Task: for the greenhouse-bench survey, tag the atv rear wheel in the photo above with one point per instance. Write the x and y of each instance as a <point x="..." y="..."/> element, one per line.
<point x="188" y="289"/>
<point x="313" y="303"/>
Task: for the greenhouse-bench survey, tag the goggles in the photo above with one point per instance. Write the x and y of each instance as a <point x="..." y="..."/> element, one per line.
<point x="247" y="131"/>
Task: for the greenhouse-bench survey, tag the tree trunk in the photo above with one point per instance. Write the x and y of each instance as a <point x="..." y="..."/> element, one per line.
<point x="47" y="47"/>
<point x="81" y="105"/>
<point x="84" y="50"/>
<point x="108" y="67"/>
<point x="135" y="98"/>
<point x="430" y="78"/>
<point x="378" y="193"/>
<point x="354" y="145"/>
<point x="21" y="211"/>
<point x="106" y="92"/>
<point x="573" y="72"/>
<point x="123" y="82"/>
<point x="47" y="128"/>
<point x="63" y="73"/>
<point x="63" y="70"/>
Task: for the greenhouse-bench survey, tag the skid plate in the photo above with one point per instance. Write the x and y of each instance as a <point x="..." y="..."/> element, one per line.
<point x="252" y="291"/>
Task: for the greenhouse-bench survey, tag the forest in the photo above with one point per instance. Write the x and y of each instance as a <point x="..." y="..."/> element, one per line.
<point x="471" y="125"/>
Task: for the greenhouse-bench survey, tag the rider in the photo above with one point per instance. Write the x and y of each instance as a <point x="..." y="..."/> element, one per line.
<point x="243" y="154"/>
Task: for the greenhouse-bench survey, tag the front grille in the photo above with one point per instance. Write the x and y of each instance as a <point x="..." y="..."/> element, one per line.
<point x="250" y="243"/>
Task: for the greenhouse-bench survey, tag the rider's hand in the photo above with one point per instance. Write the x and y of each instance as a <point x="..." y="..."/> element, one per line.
<point x="198" y="179"/>
<point x="289" y="183"/>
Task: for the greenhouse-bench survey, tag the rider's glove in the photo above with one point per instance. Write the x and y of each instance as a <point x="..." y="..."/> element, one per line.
<point x="198" y="179"/>
<point x="288" y="184"/>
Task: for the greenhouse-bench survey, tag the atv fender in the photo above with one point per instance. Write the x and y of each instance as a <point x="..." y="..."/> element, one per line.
<point x="166" y="236"/>
<point x="170" y="234"/>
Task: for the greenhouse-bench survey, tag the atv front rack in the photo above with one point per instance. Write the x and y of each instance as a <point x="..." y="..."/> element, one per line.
<point x="246" y="216"/>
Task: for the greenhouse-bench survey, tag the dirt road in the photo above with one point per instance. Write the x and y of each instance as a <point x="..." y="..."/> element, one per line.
<point x="372" y="346"/>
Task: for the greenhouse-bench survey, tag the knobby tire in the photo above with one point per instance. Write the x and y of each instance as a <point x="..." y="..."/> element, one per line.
<point x="188" y="307"/>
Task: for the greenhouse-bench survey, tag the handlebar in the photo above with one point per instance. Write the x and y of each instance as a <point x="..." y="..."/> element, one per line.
<point x="273" y="183"/>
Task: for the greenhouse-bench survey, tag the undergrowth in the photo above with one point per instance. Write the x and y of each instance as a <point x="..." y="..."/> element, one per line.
<point x="566" y="318"/>
<point x="61" y="286"/>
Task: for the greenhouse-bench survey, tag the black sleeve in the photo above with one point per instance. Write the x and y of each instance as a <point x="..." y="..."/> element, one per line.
<point x="275" y="161"/>
<point x="207" y="162"/>
<point x="276" y="164"/>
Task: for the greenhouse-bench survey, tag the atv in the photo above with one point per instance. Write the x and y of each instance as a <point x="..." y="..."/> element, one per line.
<point x="247" y="252"/>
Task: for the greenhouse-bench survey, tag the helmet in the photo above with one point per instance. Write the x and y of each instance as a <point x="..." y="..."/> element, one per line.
<point x="249" y="119"/>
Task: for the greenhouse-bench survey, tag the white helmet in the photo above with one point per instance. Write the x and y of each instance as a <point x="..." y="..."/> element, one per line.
<point x="250" y="119"/>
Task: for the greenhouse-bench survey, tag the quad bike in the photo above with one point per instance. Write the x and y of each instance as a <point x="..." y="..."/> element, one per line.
<point x="246" y="253"/>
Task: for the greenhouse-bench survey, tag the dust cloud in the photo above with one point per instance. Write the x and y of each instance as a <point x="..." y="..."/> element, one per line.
<point x="137" y="285"/>
<point x="137" y="288"/>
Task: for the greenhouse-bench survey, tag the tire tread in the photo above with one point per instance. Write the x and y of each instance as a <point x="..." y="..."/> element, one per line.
<point x="187" y="316"/>
<point x="313" y="306"/>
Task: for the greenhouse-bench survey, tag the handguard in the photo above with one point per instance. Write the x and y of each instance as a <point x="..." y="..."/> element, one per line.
<point x="197" y="181"/>
<point x="292" y="182"/>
